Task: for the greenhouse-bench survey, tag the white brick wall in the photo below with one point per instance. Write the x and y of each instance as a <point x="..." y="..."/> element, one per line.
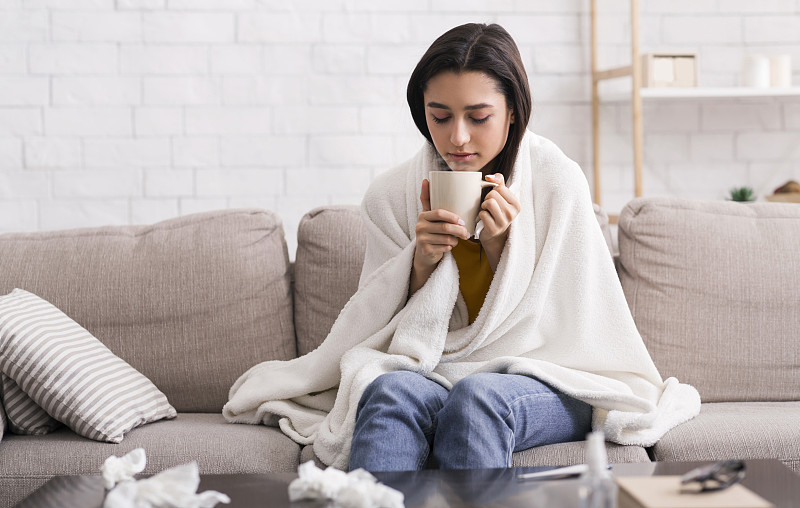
<point x="133" y="111"/>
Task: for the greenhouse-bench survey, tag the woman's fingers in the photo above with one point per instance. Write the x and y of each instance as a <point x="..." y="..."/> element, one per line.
<point x="437" y="232"/>
<point x="441" y="222"/>
<point x="497" y="178"/>
<point x="425" y="195"/>
<point x="502" y="190"/>
<point x="499" y="208"/>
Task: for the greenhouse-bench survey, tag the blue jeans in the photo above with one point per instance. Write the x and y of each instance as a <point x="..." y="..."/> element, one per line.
<point x="403" y="419"/>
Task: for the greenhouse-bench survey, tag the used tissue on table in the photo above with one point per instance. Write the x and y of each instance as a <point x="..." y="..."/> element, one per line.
<point x="356" y="489"/>
<point x="116" y="469"/>
<point x="172" y="488"/>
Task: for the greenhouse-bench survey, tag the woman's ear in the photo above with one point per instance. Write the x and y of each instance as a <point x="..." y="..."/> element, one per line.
<point x="513" y="118"/>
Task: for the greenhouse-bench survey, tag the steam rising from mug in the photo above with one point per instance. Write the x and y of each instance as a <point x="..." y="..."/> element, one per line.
<point x="458" y="192"/>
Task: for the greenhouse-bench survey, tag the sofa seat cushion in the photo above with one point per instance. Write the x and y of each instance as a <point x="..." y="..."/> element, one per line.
<point x="567" y="454"/>
<point x="736" y="430"/>
<point x="217" y="446"/>
<point x="713" y="288"/>
<point x="190" y="302"/>
<point x="562" y="454"/>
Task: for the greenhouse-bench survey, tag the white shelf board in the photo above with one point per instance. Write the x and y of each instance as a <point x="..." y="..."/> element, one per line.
<point x="733" y="92"/>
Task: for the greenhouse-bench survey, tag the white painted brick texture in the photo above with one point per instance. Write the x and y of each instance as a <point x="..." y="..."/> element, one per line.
<point x="134" y="111"/>
<point x="10" y="154"/>
<point x="24" y="91"/>
<point x="148" y="211"/>
<point x="53" y="152"/>
<point x="73" y="58"/>
<point x="189" y="27"/>
<point x="72" y="213"/>
<point x="73" y="26"/>
<point x="96" y="91"/>
<point x="166" y="183"/>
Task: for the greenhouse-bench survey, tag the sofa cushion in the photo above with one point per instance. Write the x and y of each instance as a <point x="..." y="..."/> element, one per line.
<point x="713" y="288"/>
<point x="72" y="375"/>
<point x="331" y="242"/>
<point x="190" y="302"/>
<point x="567" y="454"/>
<point x="561" y="454"/>
<point x="218" y="447"/>
<point x="736" y="430"/>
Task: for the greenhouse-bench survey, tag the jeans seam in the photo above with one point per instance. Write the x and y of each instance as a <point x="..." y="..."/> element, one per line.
<point x="509" y="447"/>
<point x="423" y="459"/>
<point x="516" y="401"/>
<point x="430" y="431"/>
<point x="526" y="396"/>
<point x="434" y="424"/>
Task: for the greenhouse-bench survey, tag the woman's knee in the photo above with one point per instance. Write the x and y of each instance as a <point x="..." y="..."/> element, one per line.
<point x="478" y="392"/>
<point x="494" y="394"/>
<point x="401" y="388"/>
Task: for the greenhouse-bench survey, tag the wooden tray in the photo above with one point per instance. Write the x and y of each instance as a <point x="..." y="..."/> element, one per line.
<point x="786" y="197"/>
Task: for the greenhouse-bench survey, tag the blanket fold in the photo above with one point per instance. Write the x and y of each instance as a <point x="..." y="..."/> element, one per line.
<point x="555" y="310"/>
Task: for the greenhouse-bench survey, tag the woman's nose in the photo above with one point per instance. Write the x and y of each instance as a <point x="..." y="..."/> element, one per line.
<point x="460" y="134"/>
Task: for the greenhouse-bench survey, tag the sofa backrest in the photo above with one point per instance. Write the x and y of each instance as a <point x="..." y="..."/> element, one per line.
<point x="714" y="288"/>
<point x="331" y="241"/>
<point x="190" y="302"/>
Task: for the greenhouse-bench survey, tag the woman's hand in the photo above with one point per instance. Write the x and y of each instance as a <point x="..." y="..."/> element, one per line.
<point x="499" y="208"/>
<point x="438" y="231"/>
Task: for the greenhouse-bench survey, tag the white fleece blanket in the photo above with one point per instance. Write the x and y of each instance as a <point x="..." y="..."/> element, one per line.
<point x="555" y="310"/>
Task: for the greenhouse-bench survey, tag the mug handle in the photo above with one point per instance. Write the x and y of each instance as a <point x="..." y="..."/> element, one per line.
<point x="484" y="183"/>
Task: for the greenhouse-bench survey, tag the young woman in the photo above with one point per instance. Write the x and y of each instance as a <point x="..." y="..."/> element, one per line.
<point x="469" y="96"/>
<point x="456" y="353"/>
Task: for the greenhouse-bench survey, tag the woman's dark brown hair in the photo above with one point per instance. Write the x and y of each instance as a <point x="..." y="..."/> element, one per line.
<point x="481" y="48"/>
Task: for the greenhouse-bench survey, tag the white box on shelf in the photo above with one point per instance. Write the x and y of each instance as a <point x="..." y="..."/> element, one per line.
<point x="667" y="69"/>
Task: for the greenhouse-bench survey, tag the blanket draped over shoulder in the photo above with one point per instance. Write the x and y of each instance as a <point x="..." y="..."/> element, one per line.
<point x="555" y="310"/>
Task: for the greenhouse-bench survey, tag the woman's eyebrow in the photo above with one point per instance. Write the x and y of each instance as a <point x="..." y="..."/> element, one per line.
<point x="474" y="106"/>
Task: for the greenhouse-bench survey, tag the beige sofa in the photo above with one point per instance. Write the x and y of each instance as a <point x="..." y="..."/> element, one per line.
<point x="194" y="301"/>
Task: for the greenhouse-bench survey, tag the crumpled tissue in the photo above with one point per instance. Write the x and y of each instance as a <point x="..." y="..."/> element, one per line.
<point x="356" y="489"/>
<point x="478" y="229"/>
<point x="172" y="488"/>
<point x="116" y="469"/>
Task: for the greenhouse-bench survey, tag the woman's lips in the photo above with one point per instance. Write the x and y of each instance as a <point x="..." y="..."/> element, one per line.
<point x="462" y="157"/>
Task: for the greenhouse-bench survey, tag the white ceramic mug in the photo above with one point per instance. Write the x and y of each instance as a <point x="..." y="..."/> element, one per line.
<point x="780" y="69"/>
<point x="755" y="72"/>
<point x="458" y="192"/>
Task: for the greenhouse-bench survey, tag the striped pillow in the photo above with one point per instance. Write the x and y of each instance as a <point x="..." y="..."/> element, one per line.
<point x="3" y="422"/>
<point x="71" y="374"/>
<point x="24" y="416"/>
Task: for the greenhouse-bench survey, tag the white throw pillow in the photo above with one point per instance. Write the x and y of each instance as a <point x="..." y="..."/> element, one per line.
<point x="71" y="374"/>
<point x="23" y="415"/>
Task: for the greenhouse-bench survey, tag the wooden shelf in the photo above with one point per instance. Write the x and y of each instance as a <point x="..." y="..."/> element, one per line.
<point x="733" y="92"/>
<point x="636" y="95"/>
<point x="632" y="71"/>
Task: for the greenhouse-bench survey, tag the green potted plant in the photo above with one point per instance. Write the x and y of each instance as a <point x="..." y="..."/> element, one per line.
<point x="743" y="194"/>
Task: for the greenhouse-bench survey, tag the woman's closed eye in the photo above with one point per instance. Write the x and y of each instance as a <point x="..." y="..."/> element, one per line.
<point x="440" y="120"/>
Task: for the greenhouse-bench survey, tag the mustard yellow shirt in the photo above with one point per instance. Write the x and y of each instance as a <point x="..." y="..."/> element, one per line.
<point x="475" y="275"/>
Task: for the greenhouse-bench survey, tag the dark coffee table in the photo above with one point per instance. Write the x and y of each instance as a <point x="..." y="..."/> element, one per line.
<point x="430" y="488"/>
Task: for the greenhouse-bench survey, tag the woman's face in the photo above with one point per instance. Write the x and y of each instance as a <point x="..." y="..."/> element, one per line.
<point x="468" y="119"/>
